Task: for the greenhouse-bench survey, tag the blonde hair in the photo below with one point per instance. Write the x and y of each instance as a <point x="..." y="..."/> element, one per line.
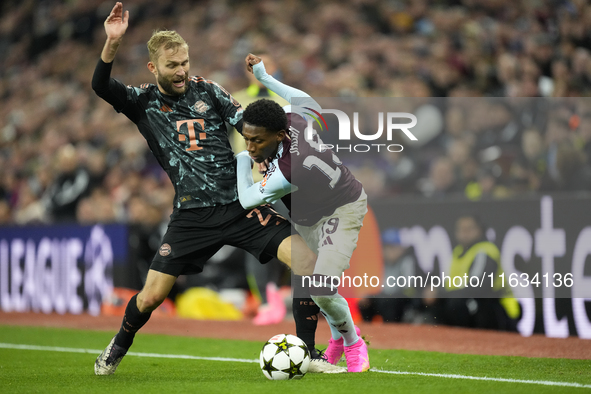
<point x="165" y="39"/>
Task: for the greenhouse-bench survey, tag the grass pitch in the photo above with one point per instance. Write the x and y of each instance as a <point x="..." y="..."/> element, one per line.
<point x="61" y="361"/>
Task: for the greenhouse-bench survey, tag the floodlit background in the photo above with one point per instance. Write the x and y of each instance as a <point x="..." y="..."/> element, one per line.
<point x="66" y="157"/>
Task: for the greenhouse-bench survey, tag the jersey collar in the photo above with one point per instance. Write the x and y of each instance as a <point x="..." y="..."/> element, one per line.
<point x="279" y="150"/>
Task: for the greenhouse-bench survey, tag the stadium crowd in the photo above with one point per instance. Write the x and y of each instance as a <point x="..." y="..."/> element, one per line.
<point x="66" y="156"/>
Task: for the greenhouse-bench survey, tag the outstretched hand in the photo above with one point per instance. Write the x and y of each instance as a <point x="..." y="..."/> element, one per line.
<point x="116" y="23"/>
<point x="251" y="60"/>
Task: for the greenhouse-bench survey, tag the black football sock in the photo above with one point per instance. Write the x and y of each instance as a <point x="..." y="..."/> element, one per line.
<point x="132" y="322"/>
<point x="305" y="314"/>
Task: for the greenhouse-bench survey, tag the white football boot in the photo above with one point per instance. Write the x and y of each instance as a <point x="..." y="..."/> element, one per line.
<point x="109" y="359"/>
<point x="319" y="364"/>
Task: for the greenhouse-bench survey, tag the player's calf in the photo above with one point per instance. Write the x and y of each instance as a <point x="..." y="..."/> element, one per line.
<point x="294" y="252"/>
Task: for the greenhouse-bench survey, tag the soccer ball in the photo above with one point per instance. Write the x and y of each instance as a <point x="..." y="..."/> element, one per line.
<point x="283" y="357"/>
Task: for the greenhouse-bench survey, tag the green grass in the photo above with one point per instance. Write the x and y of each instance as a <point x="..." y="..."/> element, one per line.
<point x="30" y="371"/>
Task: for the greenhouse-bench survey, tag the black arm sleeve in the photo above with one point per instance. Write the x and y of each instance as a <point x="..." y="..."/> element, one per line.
<point x="107" y="88"/>
<point x="238" y="126"/>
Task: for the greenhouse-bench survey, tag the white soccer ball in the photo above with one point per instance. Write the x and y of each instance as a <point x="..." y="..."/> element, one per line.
<point x="284" y="357"/>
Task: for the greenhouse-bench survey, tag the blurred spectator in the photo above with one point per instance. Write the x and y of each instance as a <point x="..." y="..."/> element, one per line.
<point x="373" y="178"/>
<point x="486" y="307"/>
<point x="97" y="208"/>
<point x="531" y="167"/>
<point x="330" y="48"/>
<point x="442" y="179"/>
<point x="146" y="228"/>
<point x="583" y="138"/>
<point x="85" y="212"/>
<point x="96" y="162"/>
<point x="574" y="173"/>
<point x="459" y="153"/>
<point x="468" y="175"/>
<point x="401" y="172"/>
<point x="486" y="186"/>
<point x="488" y="183"/>
<point x="557" y="133"/>
<point x="533" y="150"/>
<point x="29" y="209"/>
<point x="68" y="187"/>
<point x="4" y="213"/>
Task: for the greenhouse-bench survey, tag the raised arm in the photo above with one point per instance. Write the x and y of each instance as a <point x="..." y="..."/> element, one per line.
<point x="115" y="27"/>
<point x="254" y="64"/>
<point x="107" y="88"/>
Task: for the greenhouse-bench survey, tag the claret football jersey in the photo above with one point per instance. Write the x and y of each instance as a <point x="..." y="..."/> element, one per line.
<point x="319" y="182"/>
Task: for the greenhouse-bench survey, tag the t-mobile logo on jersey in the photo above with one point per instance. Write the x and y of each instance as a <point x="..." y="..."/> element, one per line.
<point x="392" y="121"/>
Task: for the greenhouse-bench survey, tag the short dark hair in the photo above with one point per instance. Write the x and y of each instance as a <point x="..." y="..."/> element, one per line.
<point x="475" y="217"/>
<point x="266" y="113"/>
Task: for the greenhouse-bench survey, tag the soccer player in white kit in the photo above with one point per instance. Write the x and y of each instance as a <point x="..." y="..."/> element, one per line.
<point x="327" y="204"/>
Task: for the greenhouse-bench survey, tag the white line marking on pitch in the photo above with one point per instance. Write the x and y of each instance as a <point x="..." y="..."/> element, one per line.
<point x="96" y="351"/>
<point x="452" y="376"/>
<point x="254" y="361"/>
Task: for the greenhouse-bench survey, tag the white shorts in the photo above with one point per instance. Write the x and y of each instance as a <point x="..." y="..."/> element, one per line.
<point x="334" y="238"/>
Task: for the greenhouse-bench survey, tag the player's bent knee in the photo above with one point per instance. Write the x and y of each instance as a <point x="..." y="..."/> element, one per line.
<point x="147" y="302"/>
<point x="305" y="266"/>
<point x="155" y="290"/>
<point x="302" y="259"/>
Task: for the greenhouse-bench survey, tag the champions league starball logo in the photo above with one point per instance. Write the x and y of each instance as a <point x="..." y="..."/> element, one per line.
<point x="388" y="119"/>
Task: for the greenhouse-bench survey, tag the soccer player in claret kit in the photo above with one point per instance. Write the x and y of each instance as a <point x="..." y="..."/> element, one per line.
<point x="182" y="119"/>
<point x="327" y="203"/>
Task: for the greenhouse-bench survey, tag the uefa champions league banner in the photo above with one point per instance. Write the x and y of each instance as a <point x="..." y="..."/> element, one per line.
<point x="61" y="268"/>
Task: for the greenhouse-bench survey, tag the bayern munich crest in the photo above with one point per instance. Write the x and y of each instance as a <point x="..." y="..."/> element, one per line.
<point x="200" y="107"/>
<point x="165" y="250"/>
